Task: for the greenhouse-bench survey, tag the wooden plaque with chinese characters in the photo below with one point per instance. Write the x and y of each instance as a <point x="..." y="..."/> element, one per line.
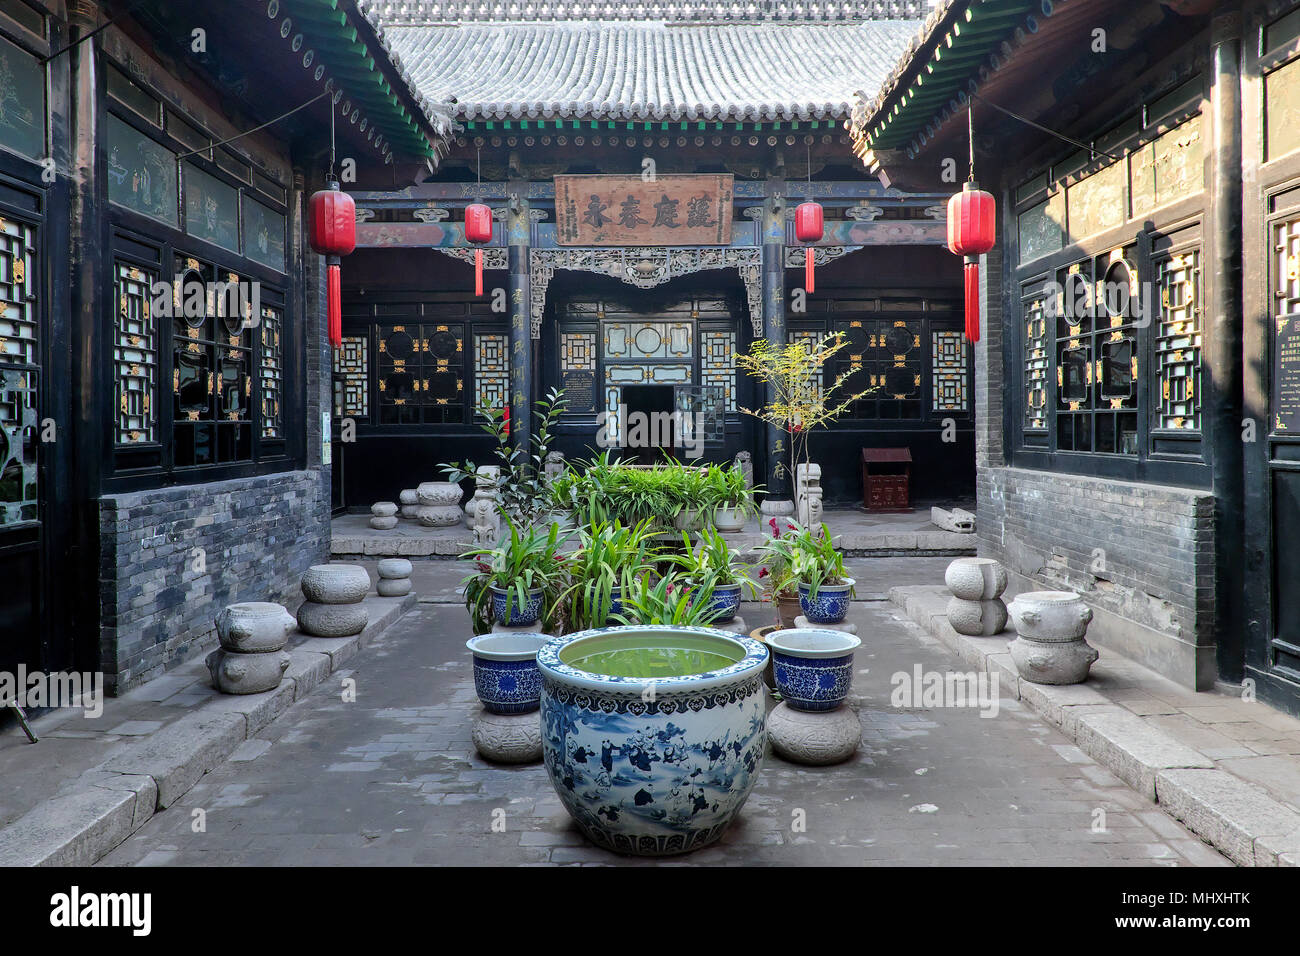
<point x="688" y="210"/>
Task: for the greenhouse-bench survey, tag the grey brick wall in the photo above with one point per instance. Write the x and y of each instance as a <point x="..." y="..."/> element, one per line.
<point x="1142" y="552"/>
<point x="158" y="598"/>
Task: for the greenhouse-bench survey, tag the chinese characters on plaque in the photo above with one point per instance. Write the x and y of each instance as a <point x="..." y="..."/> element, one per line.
<point x="1286" y="376"/>
<point x="688" y="210"/>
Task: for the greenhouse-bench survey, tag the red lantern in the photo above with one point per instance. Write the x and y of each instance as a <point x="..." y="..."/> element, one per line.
<point x="809" y="226"/>
<point x="478" y="230"/>
<point x="333" y="233"/>
<point x="971" y="225"/>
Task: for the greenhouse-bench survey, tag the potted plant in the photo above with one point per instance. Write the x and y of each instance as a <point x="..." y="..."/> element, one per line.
<point x="515" y="578"/>
<point x="734" y="499"/>
<point x="713" y="568"/>
<point x="824" y="586"/>
<point x="609" y="558"/>
<point x="671" y="600"/>
<point x="690" y="488"/>
<point x="780" y="584"/>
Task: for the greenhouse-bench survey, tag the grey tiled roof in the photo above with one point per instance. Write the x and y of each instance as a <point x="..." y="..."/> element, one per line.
<point x="699" y="11"/>
<point x="650" y="70"/>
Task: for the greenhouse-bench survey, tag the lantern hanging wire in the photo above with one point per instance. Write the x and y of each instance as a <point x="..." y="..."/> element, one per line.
<point x="270" y="122"/>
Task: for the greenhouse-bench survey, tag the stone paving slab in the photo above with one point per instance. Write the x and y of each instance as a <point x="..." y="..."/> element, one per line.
<point x="1228" y="768"/>
<point x="88" y="784"/>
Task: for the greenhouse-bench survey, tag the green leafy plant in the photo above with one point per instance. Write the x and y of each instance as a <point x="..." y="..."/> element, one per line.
<point x="522" y="561"/>
<point x="669" y="601"/>
<point x="523" y="495"/>
<point x="728" y="489"/>
<point x="609" y="556"/>
<point x="711" y="562"/>
<point x="816" y="561"/>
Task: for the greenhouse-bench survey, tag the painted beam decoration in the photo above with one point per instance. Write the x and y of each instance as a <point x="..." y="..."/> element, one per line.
<point x="674" y="210"/>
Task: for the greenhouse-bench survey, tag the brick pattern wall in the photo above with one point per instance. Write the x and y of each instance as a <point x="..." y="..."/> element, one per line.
<point x="172" y="558"/>
<point x="1145" y="552"/>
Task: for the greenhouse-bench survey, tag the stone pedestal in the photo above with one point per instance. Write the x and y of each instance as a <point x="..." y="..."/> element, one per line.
<point x="817" y="739"/>
<point x="508" y="738"/>
<point x="383" y="516"/>
<point x="394" y="578"/>
<point x="776" y="508"/>
<point x="251" y="659"/>
<point x="439" y="504"/>
<point x="844" y="627"/>
<point x="736" y="625"/>
<point x="1050" y="646"/>
<point x="976" y="608"/>
<point x="334" y="593"/>
<point x="410" y="501"/>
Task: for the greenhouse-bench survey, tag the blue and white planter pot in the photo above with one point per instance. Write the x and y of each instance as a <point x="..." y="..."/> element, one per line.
<point x="831" y="604"/>
<point x="653" y="766"/>
<point x="506" y="678"/>
<point x="508" y="612"/>
<point x="813" y="668"/>
<point x="726" y="601"/>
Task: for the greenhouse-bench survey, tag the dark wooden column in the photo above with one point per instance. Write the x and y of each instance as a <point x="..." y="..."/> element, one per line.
<point x="88" y="272"/>
<point x="779" y="499"/>
<point x="1224" y="333"/>
<point x="521" y="345"/>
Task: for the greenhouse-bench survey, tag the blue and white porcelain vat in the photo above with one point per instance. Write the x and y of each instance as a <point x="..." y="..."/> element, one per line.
<point x="653" y="736"/>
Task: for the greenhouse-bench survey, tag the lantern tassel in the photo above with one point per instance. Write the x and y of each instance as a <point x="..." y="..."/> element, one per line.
<point x="478" y="272"/>
<point x="973" y="298"/>
<point x="334" y="304"/>
<point x="808" y="269"/>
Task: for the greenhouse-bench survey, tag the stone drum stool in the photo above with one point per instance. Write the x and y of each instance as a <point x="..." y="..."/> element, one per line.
<point x="394" y="578"/>
<point x="1049" y="647"/>
<point x="410" y="502"/>
<point x="439" y="504"/>
<point x="251" y="658"/>
<point x="334" y="593"/>
<point x="383" y="516"/>
<point x="976" y="608"/>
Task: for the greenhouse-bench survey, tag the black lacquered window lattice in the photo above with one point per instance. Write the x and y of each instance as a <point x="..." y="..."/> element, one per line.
<point x="19" y="358"/>
<point x="135" y="355"/>
<point x="1178" y="341"/>
<point x="421" y="373"/>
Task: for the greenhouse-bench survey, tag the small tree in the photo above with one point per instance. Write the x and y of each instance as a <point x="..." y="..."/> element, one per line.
<point x="524" y="497"/>
<point x="800" y="399"/>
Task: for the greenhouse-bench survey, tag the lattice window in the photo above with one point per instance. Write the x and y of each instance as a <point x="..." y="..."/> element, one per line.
<point x="135" y="355"/>
<point x="948" y="372"/>
<point x="718" y="364"/>
<point x="492" y="369"/>
<point x="212" y="380"/>
<point x="1037" y="366"/>
<point x="578" y="371"/>
<point x="18" y="463"/>
<point x="1178" y="341"/>
<point x="421" y="373"/>
<point x="19" y="417"/>
<point x="1097" y="361"/>
<point x="272" y="373"/>
<point x="883" y="358"/>
<point x="352" y="378"/>
<point x="18" y="339"/>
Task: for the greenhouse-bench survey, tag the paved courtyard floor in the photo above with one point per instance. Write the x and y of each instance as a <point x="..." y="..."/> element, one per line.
<point x="392" y="778"/>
